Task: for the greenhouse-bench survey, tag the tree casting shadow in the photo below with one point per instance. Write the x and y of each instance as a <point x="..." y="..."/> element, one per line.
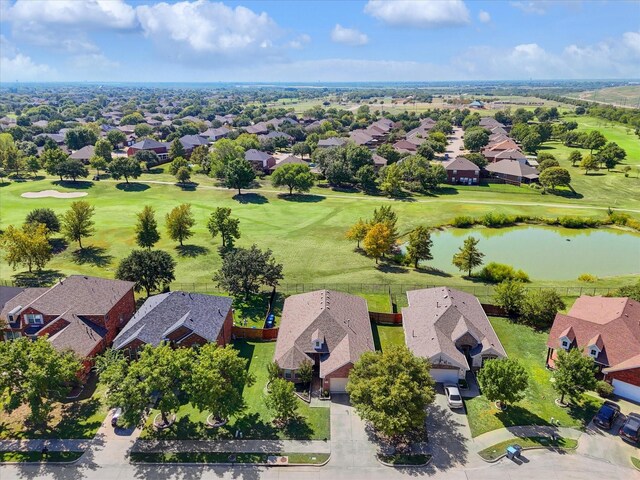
<point x="302" y="198"/>
<point x="191" y="251"/>
<point x="42" y="278"/>
<point x="77" y="185"/>
<point x="93" y="255"/>
<point x="132" y="187"/>
<point x="254" y="198"/>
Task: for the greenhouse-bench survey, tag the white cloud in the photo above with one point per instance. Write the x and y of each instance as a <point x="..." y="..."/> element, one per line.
<point x="206" y="28"/>
<point x="540" y="7"/>
<point x="93" y="62"/>
<point x="348" y="36"/>
<point x="299" y="42"/>
<point x="484" y="17"/>
<point x="415" y="13"/>
<point x="632" y="41"/>
<point x="15" y="66"/>
<point x="115" y="14"/>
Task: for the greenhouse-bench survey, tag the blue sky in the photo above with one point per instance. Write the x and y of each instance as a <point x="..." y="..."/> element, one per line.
<point x="306" y="41"/>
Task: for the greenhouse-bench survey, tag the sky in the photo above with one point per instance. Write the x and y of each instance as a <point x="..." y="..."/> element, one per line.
<point x="318" y="41"/>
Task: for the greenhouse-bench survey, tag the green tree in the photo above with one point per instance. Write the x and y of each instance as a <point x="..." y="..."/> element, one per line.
<point x="301" y="149"/>
<point x="176" y="150"/>
<point x="147" y="234"/>
<point x="244" y="270"/>
<point x="35" y="374"/>
<point x="366" y="177"/>
<point x="294" y="176"/>
<point x="151" y="270"/>
<point x="103" y="149"/>
<point x="223" y="152"/>
<point x="391" y="390"/>
<point x="531" y="142"/>
<point x="378" y="240"/>
<point x="305" y="372"/>
<point x="77" y="222"/>
<point x="98" y="163"/>
<point x="221" y="223"/>
<point x="183" y="175"/>
<point x="477" y="158"/>
<point x="45" y="216"/>
<point x="142" y="130"/>
<point x="199" y="156"/>
<point x="391" y="181"/>
<point x="589" y="162"/>
<point x="176" y="164"/>
<point x="32" y="164"/>
<point x="28" y="246"/>
<point x="179" y="222"/>
<point x="79" y="137"/>
<point x="574" y="374"/>
<point x="218" y="378"/>
<point x="238" y="174"/>
<point x="503" y="380"/>
<point x="358" y="231"/>
<point x="281" y="401"/>
<point x="148" y="157"/>
<point x="510" y="295"/>
<point x="420" y="243"/>
<point x="52" y="160"/>
<point x="594" y="141"/>
<point x="475" y="139"/>
<point x="547" y="163"/>
<point x="555" y="176"/>
<point x="540" y="307"/>
<point x="116" y="137"/>
<point x="73" y="169"/>
<point x="575" y="157"/>
<point x="248" y="141"/>
<point x="127" y="167"/>
<point x="273" y="370"/>
<point x="468" y="256"/>
<point x="611" y="154"/>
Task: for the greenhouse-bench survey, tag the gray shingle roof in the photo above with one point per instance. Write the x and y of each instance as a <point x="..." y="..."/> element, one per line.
<point x="512" y="167"/>
<point x="160" y="314"/>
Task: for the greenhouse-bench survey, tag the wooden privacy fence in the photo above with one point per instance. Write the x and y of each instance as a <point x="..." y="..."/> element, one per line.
<point x="386" y="318"/>
<point x="255" y="333"/>
<point x="494" y="310"/>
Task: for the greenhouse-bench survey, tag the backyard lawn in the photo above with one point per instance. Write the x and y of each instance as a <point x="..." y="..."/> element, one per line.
<point x="385" y="336"/>
<point x="77" y="419"/>
<point x="538" y="407"/>
<point x="255" y="422"/>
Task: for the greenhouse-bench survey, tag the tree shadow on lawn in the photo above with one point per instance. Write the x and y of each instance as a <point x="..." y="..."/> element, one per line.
<point x="77" y="185"/>
<point x="132" y="187"/>
<point x="585" y="410"/>
<point x="255" y="307"/>
<point x="515" y="416"/>
<point x="565" y="193"/>
<point x="253" y="426"/>
<point x="93" y="255"/>
<point x="254" y="198"/>
<point x="188" y="187"/>
<point x="58" y="245"/>
<point x="42" y="278"/>
<point x="191" y="251"/>
<point x="301" y="198"/>
<point x="433" y="271"/>
<point x="391" y="268"/>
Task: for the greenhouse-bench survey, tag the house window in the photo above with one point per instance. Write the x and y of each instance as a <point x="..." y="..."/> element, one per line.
<point x="288" y="374"/>
<point x="34" y="319"/>
<point x="565" y="344"/>
<point x="11" y="335"/>
<point x="594" y="352"/>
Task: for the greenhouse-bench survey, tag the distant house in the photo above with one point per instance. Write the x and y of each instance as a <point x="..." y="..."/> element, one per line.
<point x="273" y="135"/>
<point x="189" y="142"/>
<point x="149" y="144"/>
<point x="451" y="330"/>
<point x="378" y="161"/>
<point x="405" y="146"/>
<point x="362" y="137"/>
<point x="214" y="134"/>
<point x="327" y="328"/>
<point x="512" y="171"/>
<point x="80" y="313"/>
<point x="608" y="330"/>
<point x="331" y="142"/>
<point x="476" y="104"/>
<point x="58" y="138"/>
<point x="184" y="319"/>
<point x="461" y="170"/>
<point x="256" y="129"/>
<point x="84" y="154"/>
<point x="291" y="159"/>
<point x="259" y="159"/>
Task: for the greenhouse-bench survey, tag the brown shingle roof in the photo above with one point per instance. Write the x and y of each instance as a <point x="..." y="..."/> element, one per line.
<point x="340" y="319"/>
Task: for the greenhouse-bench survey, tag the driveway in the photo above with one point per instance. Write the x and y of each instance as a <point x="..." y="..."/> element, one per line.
<point x="607" y="445"/>
<point x="455" y="141"/>
<point x="449" y="434"/>
<point x="350" y="444"/>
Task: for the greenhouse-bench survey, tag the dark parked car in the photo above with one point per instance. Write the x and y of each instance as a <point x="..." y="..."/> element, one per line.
<point x="607" y="415"/>
<point x="630" y="429"/>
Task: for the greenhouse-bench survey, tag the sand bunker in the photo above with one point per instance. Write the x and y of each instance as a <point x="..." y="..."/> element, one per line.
<point x="54" y="194"/>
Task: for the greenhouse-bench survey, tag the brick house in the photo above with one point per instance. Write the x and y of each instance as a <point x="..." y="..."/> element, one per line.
<point x="151" y="145"/>
<point x="513" y="172"/>
<point x="79" y="313"/>
<point x="330" y="329"/>
<point x="608" y="330"/>
<point x="184" y="319"/>
<point x="461" y="170"/>
<point x="259" y="159"/>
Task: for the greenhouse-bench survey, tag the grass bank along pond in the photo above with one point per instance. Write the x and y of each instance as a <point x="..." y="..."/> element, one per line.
<point x="545" y="253"/>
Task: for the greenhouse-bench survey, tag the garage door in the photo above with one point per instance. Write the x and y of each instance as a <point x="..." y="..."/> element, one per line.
<point x="626" y="390"/>
<point x="338" y="385"/>
<point x="444" y="375"/>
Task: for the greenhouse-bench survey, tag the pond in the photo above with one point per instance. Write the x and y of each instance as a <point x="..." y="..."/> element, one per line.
<point x="545" y="253"/>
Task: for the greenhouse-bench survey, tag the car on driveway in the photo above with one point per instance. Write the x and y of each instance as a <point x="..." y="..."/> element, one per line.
<point x="606" y="416"/>
<point x="115" y="417"/>
<point x="454" y="399"/>
<point x="630" y="430"/>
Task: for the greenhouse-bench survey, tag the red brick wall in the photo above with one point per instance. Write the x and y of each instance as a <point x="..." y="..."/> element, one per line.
<point x="192" y="340"/>
<point x="178" y="333"/>
<point x="342" y="372"/>
<point x="224" y="337"/>
<point x="52" y="328"/>
<point x="631" y="376"/>
<point x="119" y="315"/>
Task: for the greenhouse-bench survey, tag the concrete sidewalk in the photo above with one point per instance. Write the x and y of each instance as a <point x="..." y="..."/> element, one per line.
<point x="53" y="444"/>
<point x="513" y="433"/>
<point x="253" y="446"/>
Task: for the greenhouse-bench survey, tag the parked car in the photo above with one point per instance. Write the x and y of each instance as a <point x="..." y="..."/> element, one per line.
<point x="630" y="430"/>
<point x="115" y="417"/>
<point x="607" y="415"/>
<point x="454" y="399"/>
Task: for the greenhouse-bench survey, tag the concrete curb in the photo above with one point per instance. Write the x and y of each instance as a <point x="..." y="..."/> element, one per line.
<point x="44" y="462"/>
<point x="236" y="464"/>
<point x="405" y="466"/>
<point x="527" y="448"/>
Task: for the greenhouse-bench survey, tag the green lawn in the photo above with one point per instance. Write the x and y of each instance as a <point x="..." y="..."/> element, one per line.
<point x="28" y="457"/>
<point x="305" y="234"/>
<point x="529" y="347"/>
<point x="377" y="302"/>
<point x="636" y="462"/>
<point x="387" y="335"/>
<point x="255" y="422"/>
<point x="77" y="419"/>
<point x="403" y="459"/>
<point x="499" y="449"/>
<point x="224" y="457"/>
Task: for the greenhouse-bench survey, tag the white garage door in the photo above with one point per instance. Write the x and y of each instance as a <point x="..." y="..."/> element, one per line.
<point x="444" y="375"/>
<point x="626" y="390"/>
<point x="338" y="385"/>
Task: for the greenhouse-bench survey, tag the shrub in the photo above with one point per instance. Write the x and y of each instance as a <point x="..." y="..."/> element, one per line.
<point x="604" y="389"/>
<point x="578" y="222"/>
<point x="619" y="218"/>
<point x="497" y="220"/>
<point x="463" y="222"/>
<point x="498" y="272"/>
<point x="587" y="278"/>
